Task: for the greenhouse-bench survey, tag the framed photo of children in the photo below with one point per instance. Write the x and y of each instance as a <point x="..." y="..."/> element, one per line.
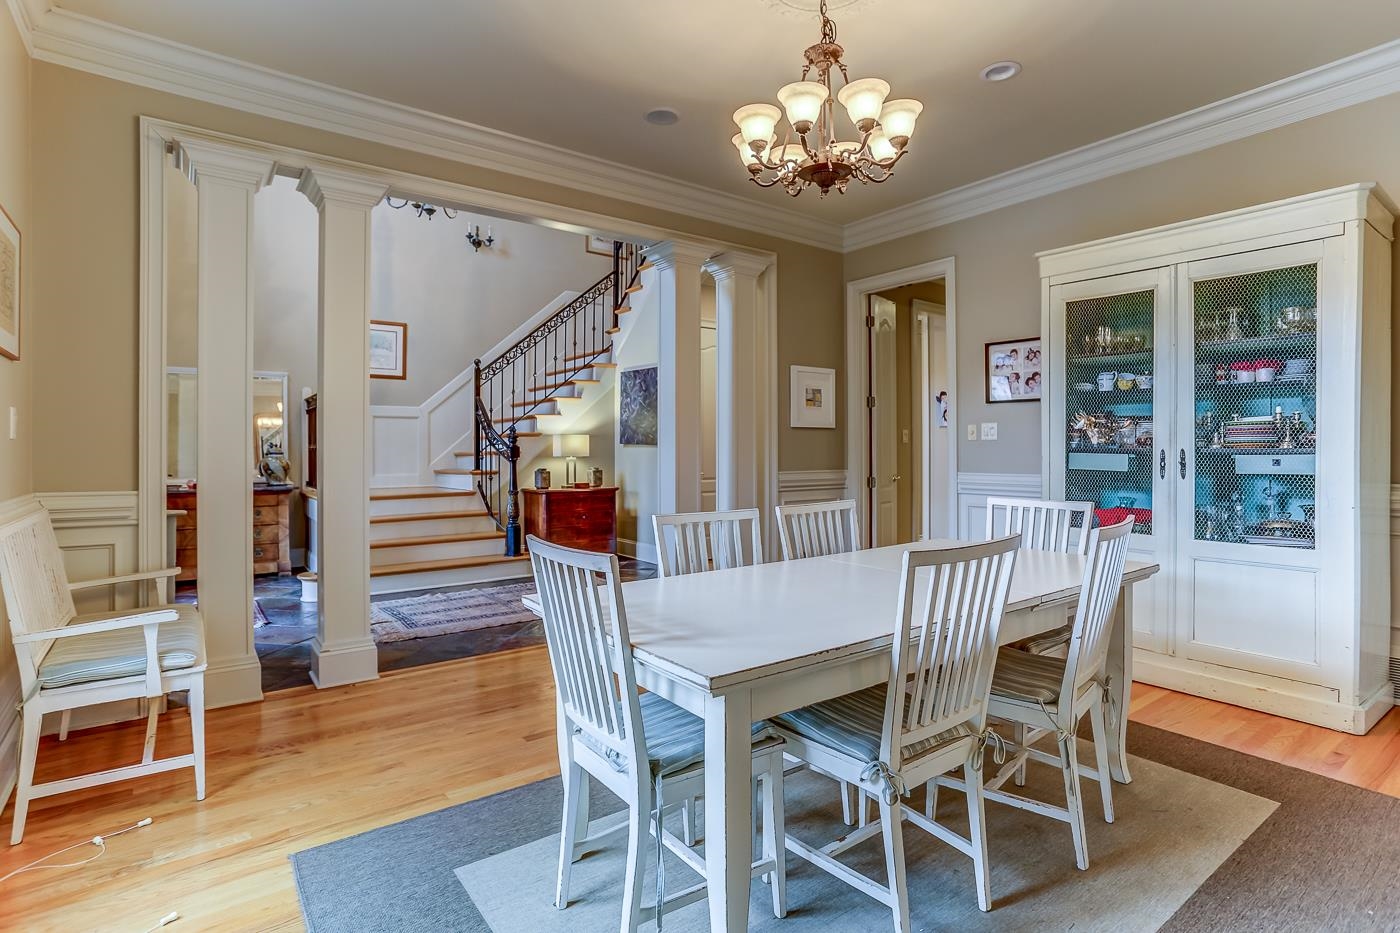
<point x="1014" y="371"/>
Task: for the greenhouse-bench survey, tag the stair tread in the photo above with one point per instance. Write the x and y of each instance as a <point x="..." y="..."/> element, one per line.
<point x="574" y="371"/>
<point x="427" y="516"/>
<point x="450" y="563"/>
<point x="458" y="471"/>
<point x="437" y="539"/>
<point x="416" y="492"/>
<point x="646" y="264"/>
<point x="587" y="356"/>
<point x="471" y="453"/>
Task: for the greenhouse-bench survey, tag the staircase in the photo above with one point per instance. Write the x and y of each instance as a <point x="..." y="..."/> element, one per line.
<point x="466" y="526"/>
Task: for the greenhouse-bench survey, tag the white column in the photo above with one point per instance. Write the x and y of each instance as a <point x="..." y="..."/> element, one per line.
<point x="737" y="342"/>
<point x="678" y="267"/>
<point x="343" y="651"/>
<point x="227" y="179"/>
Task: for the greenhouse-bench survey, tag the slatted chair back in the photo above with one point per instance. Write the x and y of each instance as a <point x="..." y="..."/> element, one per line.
<point x="35" y="585"/>
<point x="595" y="680"/>
<point x="945" y="647"/>
<point x="1103" y="579"/>
<point x="694" y="542"/>
<point x="816" y="529"/>
<point x="1043" y="524"/>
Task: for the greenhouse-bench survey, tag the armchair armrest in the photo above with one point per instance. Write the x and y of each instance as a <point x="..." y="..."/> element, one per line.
<point x="141" y="617"/>
<point x="125" y="578"/>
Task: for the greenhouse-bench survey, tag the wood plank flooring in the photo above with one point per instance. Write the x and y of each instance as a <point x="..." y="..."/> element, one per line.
<point x="307" y="767"/>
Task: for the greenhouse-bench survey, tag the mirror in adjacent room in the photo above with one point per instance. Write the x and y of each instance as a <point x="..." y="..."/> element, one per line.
<point x="270" y="462"/>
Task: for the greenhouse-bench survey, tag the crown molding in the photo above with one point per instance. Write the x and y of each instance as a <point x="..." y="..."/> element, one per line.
<point x="1354" y="80"/>
<point x="26" y="13"/>
<point x="64" y="38"/>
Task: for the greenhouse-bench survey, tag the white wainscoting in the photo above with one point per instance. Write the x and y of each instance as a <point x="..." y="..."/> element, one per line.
<point x="798" y="486"/>
<point x="973" y="490"/>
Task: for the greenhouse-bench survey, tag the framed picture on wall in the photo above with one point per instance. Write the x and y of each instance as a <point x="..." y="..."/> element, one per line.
<point x="9" y="287"/>
<point x="388" y="350"/>
<point x="1014" y="370"/>
<point x="812" y="397"/>
<point x="598" y="245"/>
<point x="637" y="407"/>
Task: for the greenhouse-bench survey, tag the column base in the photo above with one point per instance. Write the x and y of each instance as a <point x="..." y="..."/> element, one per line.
<point x="229" y="683"/>
<point x="343" y="664"/>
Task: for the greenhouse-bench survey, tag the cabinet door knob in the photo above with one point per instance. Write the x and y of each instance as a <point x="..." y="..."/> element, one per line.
<point x="1162" y="463"/>
<point x="1181" y="462"/>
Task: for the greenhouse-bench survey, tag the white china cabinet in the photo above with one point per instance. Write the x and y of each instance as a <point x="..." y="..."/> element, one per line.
<point x="1226" y="381"/>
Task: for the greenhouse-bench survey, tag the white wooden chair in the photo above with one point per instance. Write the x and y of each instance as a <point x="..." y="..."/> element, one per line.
<point x="816" y="529"/>
<point x="1044" y="695"/>
<point x="68" y="661"/>
<point x="694" y="542"/>
<point x="1044" y="525"/>
<point x="646" y="750"/>
<point x="929" y="718"/>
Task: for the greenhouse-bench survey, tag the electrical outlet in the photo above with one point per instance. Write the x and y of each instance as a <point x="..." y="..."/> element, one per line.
<point x="972" y="432"/>
<point x="989" y="430"/>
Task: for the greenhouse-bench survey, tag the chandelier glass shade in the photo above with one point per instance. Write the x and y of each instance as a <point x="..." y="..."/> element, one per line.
<point x="882" y="127"/>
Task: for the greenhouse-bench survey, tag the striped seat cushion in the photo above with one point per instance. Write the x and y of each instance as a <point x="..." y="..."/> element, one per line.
<point x="121" y="652"/>
<point x="675" y="738"/>
<point x="1046" y="641"/>
<point x="852" y="725"/>
<point x="1026" y="677"/>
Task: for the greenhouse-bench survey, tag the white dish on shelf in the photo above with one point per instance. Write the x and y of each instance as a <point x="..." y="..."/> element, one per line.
<point x="1084" y="387"/>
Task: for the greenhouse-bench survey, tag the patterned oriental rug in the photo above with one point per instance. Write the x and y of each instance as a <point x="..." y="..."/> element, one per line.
<point x="443" y="613"/>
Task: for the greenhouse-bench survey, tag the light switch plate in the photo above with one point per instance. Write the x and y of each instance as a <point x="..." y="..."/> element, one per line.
<point x="989" y="430"/>
<point x="972" y="432"/>
<point x="14" y="422"/>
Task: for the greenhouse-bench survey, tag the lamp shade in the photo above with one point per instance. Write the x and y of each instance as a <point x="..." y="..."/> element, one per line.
<point x="756" y="121"/>
<point x="571" y="445"/>
<point x="863" y="98"/>
<point x="898" y="117"/>
<point x="880" y="148"/>
<point x="803" y="101"/>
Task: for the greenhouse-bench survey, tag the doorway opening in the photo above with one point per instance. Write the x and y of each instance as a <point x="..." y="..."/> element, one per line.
<point x="901" y="356"/>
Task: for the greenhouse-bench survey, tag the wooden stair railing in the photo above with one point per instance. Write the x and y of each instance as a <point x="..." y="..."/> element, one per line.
<point x="531" y="373"/>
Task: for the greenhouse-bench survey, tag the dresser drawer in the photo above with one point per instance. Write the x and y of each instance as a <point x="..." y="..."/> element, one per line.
<point x="266" y="515"/>
<point x="267" y="534"/>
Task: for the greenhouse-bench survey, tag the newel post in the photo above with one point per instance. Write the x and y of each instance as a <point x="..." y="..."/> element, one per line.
<point x="514" y="543"/>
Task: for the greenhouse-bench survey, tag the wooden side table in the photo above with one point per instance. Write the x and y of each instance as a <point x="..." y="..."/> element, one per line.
<point x="579" y="518"/>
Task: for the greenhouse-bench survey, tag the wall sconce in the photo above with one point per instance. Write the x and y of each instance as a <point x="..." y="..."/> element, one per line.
<point x="477" y="241"/>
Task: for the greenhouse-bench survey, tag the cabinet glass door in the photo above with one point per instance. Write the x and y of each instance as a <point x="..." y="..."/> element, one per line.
<point x="1109" y="392"/>
<point x="1255" y="407"/>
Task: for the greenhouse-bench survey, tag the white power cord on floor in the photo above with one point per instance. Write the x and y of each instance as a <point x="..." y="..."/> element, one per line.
<point x="99" y="841"/>
<point x="165" y="921"/>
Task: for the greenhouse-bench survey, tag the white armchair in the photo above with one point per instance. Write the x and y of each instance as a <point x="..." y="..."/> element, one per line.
<point x="68" y="661"/>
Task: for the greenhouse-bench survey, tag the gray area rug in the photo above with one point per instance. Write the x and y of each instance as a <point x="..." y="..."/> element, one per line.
<point x="1326" y="858"/>
<point x="443" y="613"/>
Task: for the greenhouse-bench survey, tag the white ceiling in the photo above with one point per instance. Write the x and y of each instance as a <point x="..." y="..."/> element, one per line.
<point x="581" y="74"/>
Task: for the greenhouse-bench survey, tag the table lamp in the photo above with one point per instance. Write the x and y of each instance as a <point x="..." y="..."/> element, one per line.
<point x="570" y="447"/>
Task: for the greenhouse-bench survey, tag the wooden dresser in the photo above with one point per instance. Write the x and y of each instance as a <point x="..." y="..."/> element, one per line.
<point x="581" y="518"/>
<point x="272" y="520"/>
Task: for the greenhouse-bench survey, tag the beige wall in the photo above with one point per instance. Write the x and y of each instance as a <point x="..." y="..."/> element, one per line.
<point x="998" y="282"/>
<point x="85" y="273"/>
<point x="15" y="455"/>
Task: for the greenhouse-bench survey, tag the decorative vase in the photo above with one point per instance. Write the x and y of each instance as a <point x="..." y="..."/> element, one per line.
<point x="597" y="477"/>
<point x="274" y="466"/>
<point x="541" y="478"/>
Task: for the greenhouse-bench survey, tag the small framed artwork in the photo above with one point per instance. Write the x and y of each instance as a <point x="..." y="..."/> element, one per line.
<point x="9" y="287"/>
<point x="813" y="397"/>
<point x="598" y="245"/>
<point x="388" y="350"/>
<point x="1014" y="370"/>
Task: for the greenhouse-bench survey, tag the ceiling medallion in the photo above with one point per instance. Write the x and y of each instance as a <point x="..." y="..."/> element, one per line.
<point x="819" y="157"/>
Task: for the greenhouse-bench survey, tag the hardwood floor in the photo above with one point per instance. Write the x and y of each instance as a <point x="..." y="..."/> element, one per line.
<point x="307" y="767"/>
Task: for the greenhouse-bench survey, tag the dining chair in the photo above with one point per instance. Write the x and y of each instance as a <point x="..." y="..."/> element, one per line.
<point x="68" y="661"/>
<point x="694" y="542"/>
<point x="1045" y="695"/>
<point x="816" y="529"/>
<point x="929" y="718"/>
<point x="1044" y="525"/>
<point x="645" y="749"/>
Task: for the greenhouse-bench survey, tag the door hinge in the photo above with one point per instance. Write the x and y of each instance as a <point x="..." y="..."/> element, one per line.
<point x="870" y="401"/>
<point x="870" y="320"/>
<point x="870" y="482"/>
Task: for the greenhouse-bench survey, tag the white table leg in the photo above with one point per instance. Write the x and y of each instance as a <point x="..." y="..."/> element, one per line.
<point x="728" y="809"/>
<point x="1120" y="670"/>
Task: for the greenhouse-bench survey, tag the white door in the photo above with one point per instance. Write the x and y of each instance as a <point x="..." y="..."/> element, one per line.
<point x="1257" y="507"/>
<point x="935" y="432"/>
<point x="1109" y="428"/>
<point x="884" y="420"/>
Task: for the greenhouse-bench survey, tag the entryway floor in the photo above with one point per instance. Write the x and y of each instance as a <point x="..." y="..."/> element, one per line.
<point x="284" y="643"/>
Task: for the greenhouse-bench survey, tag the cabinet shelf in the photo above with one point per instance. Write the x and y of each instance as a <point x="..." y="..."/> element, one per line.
<point x="1112" y="396"/>
<point x="1095" y="359"/>
<point x="1277" y="388"/>
<point x="1250" y="347"/>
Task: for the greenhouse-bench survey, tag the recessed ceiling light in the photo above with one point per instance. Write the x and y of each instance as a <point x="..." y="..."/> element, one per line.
<point x="662" y="116"/>
<point x="1001" y="71"/>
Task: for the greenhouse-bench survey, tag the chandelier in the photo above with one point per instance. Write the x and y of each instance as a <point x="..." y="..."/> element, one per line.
<point x="819" y="157"/>
<point x="421" y="209"/>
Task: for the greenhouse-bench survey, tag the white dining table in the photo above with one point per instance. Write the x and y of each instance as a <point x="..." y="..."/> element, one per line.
<point x="739" y="645"/>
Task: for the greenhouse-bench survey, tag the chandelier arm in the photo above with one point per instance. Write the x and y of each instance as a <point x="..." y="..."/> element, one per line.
<point x="765" y="184"/>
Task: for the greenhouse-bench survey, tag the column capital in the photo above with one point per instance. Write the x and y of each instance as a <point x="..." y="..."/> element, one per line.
<point x="200" y="159"/>
<point x="671" y="253"/>
<point x="733" y="262"/>
<point x="352" y="189"/>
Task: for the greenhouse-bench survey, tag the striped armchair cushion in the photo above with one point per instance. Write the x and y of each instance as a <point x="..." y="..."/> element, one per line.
<point x="1027" y="678"/>
<point x="675" y="738"/>
<point x="121" y="652"/>
<point x="852" y="725"/>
